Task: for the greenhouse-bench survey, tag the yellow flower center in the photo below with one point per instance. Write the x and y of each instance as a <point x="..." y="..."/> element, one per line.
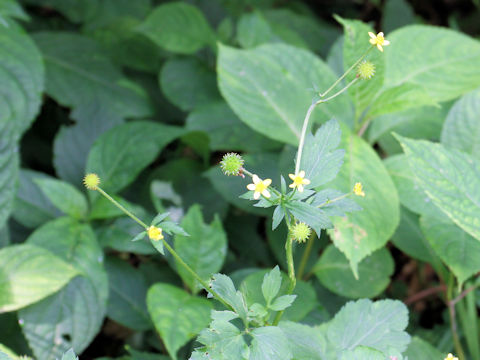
<point x="260" y="187"/>
<point x="358" y="189"/>
<point x="91" y="181"/>
<point x="155" y="233"/>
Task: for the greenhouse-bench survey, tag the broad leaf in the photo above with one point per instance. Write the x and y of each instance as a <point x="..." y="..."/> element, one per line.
<point x="29" y="274"/>
<point x="334" y="202"/>
<point x="122" y="152"/>
<point x="204" y="250"/>
<point x="188" y="83"/>
<point x="450" y="178"/>
<point x="461" y="127"/>
<point x="440" y="60"/>
<point x="305" y="342"/>
<point x="269" y="343"/>
<point x="64" y="196"/>
<point x="177" y="316"/>
<point x="178" y="27"/>
<point x="419" y="348"/>
<point x="379" y="325"/>
<point x="9" y="166"/>
<point x="362" y="232"/>
<point x="224" y="287"/>
<point x="253" y="30"/>
<point x="458" y="250"/>
<point x="128" y="290"/>
<point x="310" y="214"/>
<point x="79" y="75"/>
<point x="321" y="160"/>
<point x="333" y="271"/>
<point x="363" y="352"/>
<point x="271" y="284"/>
<point x="268" y="88"/>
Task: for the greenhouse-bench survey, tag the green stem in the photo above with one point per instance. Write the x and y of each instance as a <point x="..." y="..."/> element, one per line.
<point x="117" y="204"/>
<point x="346" y="72"/>
<point x="305" y="256"/>
<point x="169" y="248"/>
<point x="453" y="323"/>
<point x="467" y="313"/>
<point x="334" y="199"/>
<point x="307" y="119"/>
<point x="291" y="273"/>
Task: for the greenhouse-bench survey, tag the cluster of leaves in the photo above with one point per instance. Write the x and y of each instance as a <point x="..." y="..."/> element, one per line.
<point x="148" y="95"/>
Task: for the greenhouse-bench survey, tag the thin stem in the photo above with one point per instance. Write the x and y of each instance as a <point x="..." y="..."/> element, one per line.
<point x="117" y="204"/>
<point x="307" y="119"/>
<point x="245" y="171"/>
<point x="305" y="256"/>
<point x="194" y="274"/>
<point x="453" y="322"/>
<point x="334" y="199"/>
<point x="346" y="72"/>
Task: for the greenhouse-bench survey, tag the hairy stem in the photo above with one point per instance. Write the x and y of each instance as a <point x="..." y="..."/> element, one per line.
<point x="305" y="256"/>
<point x="453" y="322"/>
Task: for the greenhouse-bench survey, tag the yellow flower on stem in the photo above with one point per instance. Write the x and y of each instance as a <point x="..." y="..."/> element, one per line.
<point x="91" y="181"/>
<point x="451" y="357"/>
<point x="298" y="180"/>
<point x="155" y="233"/>
<point x="358" y="189"/>
<point x="260" y="187"/>
<point x="378" y="40"/>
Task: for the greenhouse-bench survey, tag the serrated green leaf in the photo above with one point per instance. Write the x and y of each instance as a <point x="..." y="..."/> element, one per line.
<point x="440" y="60"/>
<point x="158" y="245"/>
<point x="306" y="343"/>
<point x="282" y="302"/>
<point x="29" y="274"/>
<point x="419" y="348"/>
<point x="204" y="250"/>
<point x="177" y="316"/>
<point x="271" y="284"/>
<point x="361" y="353"/>
<point x="309" y="214"/>
<point x="157" y="219"/>
<point x="72" y="317"/>
<point x="188" y="83"/>
<point x="64" y="196"/>
<point x="367" y="323"/>
<point x="127" y="300"/>
<point x="79" y="75"/>
<point x="73" y="143"/>
<point x="269" y="343"/>
<point x="334" y="202"/>
<point x="362" y="232"/>
<point x="267" y="87"/>
<point x="278" y="215"/>
<point x="458" y="250"/>
<point x="178" y="27"/>
<point x="69" y="355"/>
<point x="462" y="126"/>
<point x="223" y="286"/>
<point x="450" y="178"/>
<point x="321" y="160"/>
<point x="122" y="152"/>
<point x="173" y="228"/>
<point x="333" y="271"/>
<point x="140" y="236"/>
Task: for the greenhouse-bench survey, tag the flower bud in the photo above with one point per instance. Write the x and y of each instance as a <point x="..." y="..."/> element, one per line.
<point x="301" y="232"/>
<point x="91" y="181"/>
<point x="232" y="164"/>
<point x="366" y="70"/>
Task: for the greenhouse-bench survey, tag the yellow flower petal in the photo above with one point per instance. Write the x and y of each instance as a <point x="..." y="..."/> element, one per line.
<point x="267" y="182"/>
<point x="386" y="42"/>
<point x="301" y="174"/>
<point x="255" y="179"/>
<point x="251" y="187"/>
<point x="300" y="187"/>
<point x="256" y="195"/>
<point x="379" y="47"/>
<point x="372" y="35"/>
<point x="291" y="176"/>
<point x="266" y="193"/>
<point x="306" y="182"/>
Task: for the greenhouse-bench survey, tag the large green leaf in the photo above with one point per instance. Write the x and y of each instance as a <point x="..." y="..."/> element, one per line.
<point x="21" y="75"/>
<point x="177" y="316"/>
<point x="450" y="178"/>
<point x="225" y="130"/>
<point x="79" y="75"/>
<point x="420" y="349"/>
<point x="362" y="232"/>
<point x="73" y="143"/>
<point x="11" y="8"/>
<point x="458" y="250"/>
<point x="253" y="30"/>
<point x="65" y="197"/>
<point x="122" y="152"/>
<point x="305" y="342"/>
<point x="442" y="61"/>
<point x="72" y="317"/>
<point x="379" y="325"/>
<point x="178" y="27"/>
<point x="461" y="129"/>
<point x="333" y="271"/>
<point x="128" y="291"/>
<point x="269" y="343"/>
<point x="29" y="274"/>
<point x="188" y="83"/>
<point x="204" y="250"/>
<point x="268" y="88"/>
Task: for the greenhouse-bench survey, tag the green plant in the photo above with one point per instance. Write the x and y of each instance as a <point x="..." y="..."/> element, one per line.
<point x="158" y="99"/>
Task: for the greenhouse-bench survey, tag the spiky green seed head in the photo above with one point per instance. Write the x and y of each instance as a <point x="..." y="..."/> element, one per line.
<point x="301" y="232"/>
<point x="366" y="70"/>
<point x="232" y="164"/>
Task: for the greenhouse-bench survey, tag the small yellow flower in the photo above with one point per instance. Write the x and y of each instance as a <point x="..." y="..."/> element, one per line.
<point x="378" y="40"/>
<point x="91" y="181"/>
<point x="298" y="181"/>
<point x="451" y="357"/>
<point x="358" y="189"/>
<point x="155" y="233"/>
<point x="260" y="187"/>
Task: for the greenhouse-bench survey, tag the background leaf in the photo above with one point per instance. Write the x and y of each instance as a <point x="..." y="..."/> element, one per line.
<point x="29" y="274"/>
<point x="269" y="343"/>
